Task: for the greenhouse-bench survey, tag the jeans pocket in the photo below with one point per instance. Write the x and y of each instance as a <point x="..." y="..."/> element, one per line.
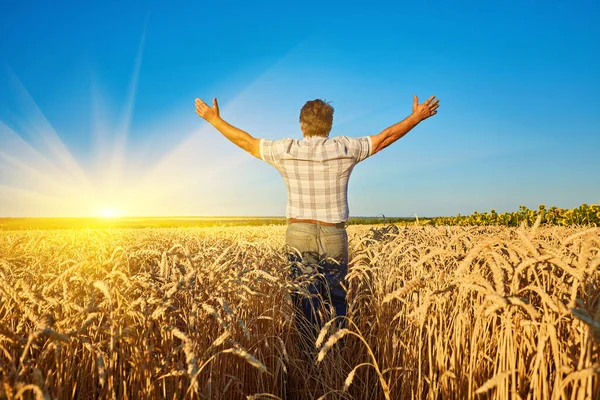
<point x="297" y="242"/>
<point x="335" y="245"/>
<point x="301" y="246"/>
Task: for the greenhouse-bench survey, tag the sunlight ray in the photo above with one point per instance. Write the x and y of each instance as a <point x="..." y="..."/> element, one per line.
<point x="120" y="143"/>
<point x="100" y="128"/>
<point x="14" y="144"/>
<point x="22" y="165"/>
<point x="37" y="128"/>
<point x="30" y="176"/>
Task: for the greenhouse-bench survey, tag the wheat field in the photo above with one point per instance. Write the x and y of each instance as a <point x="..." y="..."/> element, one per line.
<point x="205" y="313"/>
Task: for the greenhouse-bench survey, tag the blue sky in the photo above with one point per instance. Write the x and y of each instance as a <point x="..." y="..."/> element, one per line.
<point x="97" y="103"/>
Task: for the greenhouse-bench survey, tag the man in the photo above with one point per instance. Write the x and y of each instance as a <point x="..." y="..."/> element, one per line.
<point x="316" y="170"/>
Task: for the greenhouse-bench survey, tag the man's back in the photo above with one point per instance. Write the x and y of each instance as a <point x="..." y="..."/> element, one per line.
<point x="316" y="171"/>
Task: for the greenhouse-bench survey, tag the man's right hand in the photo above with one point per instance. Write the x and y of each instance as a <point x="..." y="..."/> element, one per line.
<point x="425" y="110"/>
<point x="210" y="114"/>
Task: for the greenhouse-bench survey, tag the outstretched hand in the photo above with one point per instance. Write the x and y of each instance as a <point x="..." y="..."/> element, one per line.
<point x="426" y="109"/>
<point x="210" y="114"/>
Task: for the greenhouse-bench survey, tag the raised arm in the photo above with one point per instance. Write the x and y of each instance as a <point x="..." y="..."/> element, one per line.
<point x="395" y="132"/>
<point x="239" y="137"/>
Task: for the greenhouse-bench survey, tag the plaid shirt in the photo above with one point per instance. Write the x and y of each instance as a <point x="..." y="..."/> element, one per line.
<point x="316" y="172"/>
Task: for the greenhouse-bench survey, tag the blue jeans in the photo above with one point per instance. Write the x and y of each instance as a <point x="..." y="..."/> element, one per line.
<point x="319" y="262"/>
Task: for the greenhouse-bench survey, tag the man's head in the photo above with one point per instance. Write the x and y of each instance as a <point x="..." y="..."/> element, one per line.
<point x="316" y="118"/>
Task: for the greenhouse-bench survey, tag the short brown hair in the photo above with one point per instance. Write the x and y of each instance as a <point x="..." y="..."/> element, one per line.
<point x="317" y="118"/>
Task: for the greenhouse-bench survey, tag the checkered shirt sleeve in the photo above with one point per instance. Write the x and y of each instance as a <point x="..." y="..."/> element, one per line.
<point x="360" y="148"/>
<point x="272" y="150"/>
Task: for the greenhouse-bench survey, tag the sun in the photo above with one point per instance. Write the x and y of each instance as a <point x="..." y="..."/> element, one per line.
<point x="110" y="208"/>
<point x="110" y="213"/>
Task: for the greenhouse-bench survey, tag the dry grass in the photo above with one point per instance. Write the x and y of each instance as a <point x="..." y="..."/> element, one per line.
<point x="435" y="313"/>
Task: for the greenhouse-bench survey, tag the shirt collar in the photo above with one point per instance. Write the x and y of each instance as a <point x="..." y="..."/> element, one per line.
<point x="311" y="138"/>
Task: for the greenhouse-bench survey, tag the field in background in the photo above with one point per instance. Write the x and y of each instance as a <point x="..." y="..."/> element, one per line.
<point x="133" y="222"/>
<point x="588" y="215"/>
<point x="11" y="224"/>
<point x="435" y="313"/>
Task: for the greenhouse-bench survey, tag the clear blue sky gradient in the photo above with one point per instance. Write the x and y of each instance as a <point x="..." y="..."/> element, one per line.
<point x="98" y="98"/>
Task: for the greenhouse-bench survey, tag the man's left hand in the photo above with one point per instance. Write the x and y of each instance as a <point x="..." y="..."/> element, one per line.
<point x="210" y="114"/>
